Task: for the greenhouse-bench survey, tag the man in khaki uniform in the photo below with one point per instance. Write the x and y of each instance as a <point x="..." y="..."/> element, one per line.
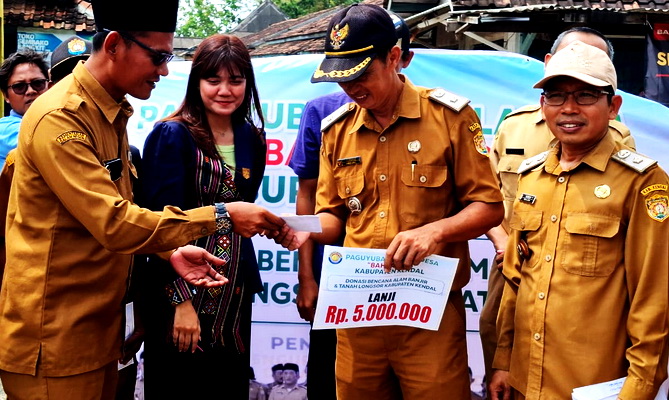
<point x="71" y="224"/>
<point x="405" y="169"/>
<point x="585" y="299"/>
<point x="523" y="134"/>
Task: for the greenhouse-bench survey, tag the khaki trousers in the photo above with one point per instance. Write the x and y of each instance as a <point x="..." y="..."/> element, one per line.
<point x="397" y="362"/>
<point x="99" y="384"/>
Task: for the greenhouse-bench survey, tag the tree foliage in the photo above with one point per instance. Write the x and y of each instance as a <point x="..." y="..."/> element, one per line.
<point x="298" y="8"/>
<point x="202" y="18"/>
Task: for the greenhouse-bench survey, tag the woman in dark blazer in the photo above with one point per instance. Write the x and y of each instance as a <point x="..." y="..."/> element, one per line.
<point x="212" y="149"/>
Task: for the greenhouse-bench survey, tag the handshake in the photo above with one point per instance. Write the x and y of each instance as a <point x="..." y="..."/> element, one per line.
<point x="194" y="264"/>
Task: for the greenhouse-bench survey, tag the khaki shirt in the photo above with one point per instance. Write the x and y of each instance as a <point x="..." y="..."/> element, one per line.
<point x="524" y="134"/>
<point x="280" y="392"/>
<point x="71" y="231"/>
<point x="450" y="170"/>
<point x="591" y="300"/>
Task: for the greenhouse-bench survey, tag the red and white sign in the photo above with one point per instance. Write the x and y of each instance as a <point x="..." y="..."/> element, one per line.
<point x="661" y="31"/>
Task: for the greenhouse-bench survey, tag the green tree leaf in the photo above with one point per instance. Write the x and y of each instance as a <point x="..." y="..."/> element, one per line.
<point x="202" y="18"/>
<point x="298" y="8"/>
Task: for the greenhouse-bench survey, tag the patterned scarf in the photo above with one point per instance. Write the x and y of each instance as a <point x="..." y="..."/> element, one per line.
<point x="215" y="183"/>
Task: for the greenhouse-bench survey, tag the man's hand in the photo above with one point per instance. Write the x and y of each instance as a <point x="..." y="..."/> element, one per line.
<point x="131" y="345"/>
<point x="289" y="238"/>
<point x="409" y="248"/>
<point x="186" y="328"/>
<point x="499" y="260"/>
<point x="193" y="264"/>
<point x="307" y="294"/>
<point x="249" y="219"/>
<point x="499" y="388"/>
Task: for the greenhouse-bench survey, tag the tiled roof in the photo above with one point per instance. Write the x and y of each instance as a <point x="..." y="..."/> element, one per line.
<point x="50" y="14"/>
<point x="294" y="36"/>
<point x="595" y="4"/>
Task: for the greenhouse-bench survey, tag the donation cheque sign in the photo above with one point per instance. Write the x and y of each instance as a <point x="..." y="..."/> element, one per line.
<point x="356" y="292"/>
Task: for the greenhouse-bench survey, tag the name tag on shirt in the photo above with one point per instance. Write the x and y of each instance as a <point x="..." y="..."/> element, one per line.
<point x="345" y="162"/>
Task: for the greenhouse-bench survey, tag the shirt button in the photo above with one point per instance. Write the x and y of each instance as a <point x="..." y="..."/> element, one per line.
<point x="382" y="178"/>
<point x="204" y="231"/>
<point x="382" y="214"/>
<point x="422" y="179"/>
<point x="348" y="190"/>
<point x="542" y="295"/>
<point x="553" y="218"/>
<point x="508" y="168"/>
<point x="561" y="179"/>
<point x="382" y="139"/>
<point x="537" y="336"/>
<point x="548" y="258"/>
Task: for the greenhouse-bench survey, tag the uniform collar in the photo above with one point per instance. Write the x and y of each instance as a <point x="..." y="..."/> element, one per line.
<point x="107" y="105"/>
<point x="598" y="158"/>
<point x="407" y="107"/>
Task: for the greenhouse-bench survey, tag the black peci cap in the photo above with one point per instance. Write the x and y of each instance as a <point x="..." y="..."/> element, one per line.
<point x="135" y="15"/>
<point x="291" y="367"/>
<point x="277" y="367"/>
<point x="355" y="36"/>
<point x="67" y="55"/>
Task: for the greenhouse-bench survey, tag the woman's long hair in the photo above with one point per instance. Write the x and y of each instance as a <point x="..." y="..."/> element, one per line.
<point x="214" y="53"/>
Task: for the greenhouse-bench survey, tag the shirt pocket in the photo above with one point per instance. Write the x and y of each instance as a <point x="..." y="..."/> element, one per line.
<point x="590" y="245"/>
<point x="507" y="169"/>
<point x="351" y="186"/>
<point x="528" y="223"/>
<point x="423" y="196"/>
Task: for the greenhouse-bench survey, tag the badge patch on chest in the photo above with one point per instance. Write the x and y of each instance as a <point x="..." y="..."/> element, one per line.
<point x="71" y="135"/>
<point x="354" y="205"/>
<point x="246" y="173"/>
<point x="602" y="191"/>
<point x="657" y="206"/>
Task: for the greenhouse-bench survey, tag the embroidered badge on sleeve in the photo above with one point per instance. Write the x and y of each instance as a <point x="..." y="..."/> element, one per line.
<point x="71" y="135"/>
<point x="479" y="140"/>
<point x="657" y="205"/>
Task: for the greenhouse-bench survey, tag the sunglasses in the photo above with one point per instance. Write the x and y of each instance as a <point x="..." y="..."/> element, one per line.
<point x="157" y="57"/>
<point x="22" y="87"/>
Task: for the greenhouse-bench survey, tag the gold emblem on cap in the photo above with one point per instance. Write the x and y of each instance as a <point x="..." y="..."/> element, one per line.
<point x="354" y="205"/>
<point x="337" y="36"/>
<point x="414" y="146"/>
<point x="602" y="191"/>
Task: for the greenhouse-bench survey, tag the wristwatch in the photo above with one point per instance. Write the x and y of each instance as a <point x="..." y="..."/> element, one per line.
<point x="223" y="220"/>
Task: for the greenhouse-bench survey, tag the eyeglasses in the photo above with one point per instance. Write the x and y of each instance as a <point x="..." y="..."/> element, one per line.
<point x="38" y="85"/>
<point x="157" y="57"/>
<point x="583" y="97"/>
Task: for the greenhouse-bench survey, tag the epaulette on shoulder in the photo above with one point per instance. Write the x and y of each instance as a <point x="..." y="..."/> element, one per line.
<point x="634" y="160"/>
<point x="524" y="109"/>
<point x="448" y="99"/>
<point x="73" y="102"/>
<point x="336" y="115"/>
<point x="532" y="162"/>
